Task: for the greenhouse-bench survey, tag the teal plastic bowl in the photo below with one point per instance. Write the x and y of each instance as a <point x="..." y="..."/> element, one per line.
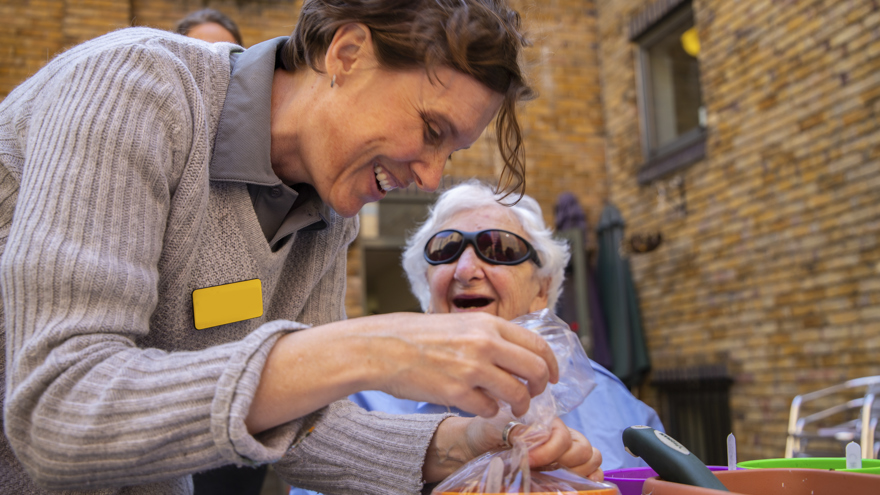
<point x="869" y="466"/>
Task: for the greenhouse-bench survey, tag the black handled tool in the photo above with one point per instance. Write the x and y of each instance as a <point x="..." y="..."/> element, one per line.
<point x="670" y="459"/>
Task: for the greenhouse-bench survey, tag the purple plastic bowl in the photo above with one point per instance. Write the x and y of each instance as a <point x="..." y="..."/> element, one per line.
<point x="630" y="480"/>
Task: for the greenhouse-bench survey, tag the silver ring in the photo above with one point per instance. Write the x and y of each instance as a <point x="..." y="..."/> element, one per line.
<point x="505" y="433"/>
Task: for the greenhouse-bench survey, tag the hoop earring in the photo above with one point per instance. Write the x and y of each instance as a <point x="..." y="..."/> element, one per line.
<point x="333" y="81"/>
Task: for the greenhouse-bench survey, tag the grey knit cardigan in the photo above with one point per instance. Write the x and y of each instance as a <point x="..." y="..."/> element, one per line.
<point x="108" y="222"/>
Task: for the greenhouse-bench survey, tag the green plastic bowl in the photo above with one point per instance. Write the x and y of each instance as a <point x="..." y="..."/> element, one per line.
<point x="869" y="466"/>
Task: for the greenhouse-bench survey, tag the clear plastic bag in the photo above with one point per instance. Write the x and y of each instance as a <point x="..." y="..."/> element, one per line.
<point x="507" y="471"/>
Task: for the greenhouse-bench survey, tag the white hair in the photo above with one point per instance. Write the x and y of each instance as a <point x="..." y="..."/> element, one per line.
<point x="473" y="195"/>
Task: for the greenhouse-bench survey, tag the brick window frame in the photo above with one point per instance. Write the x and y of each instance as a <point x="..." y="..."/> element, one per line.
<point x="652" y="25"/>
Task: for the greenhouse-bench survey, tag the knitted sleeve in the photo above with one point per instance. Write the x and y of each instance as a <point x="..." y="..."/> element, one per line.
<point x="361" y="452"/>
<point x="106" y="135"/>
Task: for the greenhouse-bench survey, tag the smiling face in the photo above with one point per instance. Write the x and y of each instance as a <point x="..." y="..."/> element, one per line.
<point x="375" y="129"/>
<point x="471" y="284"/>
<point x="397" y="129"/>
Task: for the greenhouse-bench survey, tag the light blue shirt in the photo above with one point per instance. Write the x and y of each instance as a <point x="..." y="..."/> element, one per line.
<point x="605" y="413"/>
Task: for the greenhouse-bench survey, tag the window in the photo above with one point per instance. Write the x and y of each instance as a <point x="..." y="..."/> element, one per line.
<point x="384" y="227"/>
<point x="672" y="113"/>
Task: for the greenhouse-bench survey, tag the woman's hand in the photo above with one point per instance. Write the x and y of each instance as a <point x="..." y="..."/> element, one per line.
<point x="567" y="448"/>
<point x="458" y="440"/>
<point x="466" y="360"/>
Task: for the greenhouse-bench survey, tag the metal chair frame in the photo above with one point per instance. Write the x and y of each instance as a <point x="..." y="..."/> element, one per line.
<point x="865" y="425"/>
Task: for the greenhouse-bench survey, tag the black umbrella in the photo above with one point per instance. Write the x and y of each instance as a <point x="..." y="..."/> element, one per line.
<point x="620" y="302"/>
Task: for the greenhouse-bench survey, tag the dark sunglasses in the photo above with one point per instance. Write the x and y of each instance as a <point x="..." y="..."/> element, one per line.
<point x="495" y="246"/>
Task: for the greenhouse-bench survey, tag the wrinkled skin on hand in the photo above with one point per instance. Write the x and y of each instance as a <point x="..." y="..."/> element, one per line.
<point x="459" y="440"/>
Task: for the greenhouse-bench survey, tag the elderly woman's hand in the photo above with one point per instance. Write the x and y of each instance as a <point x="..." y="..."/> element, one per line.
<point x="459" y="440"/>
<point x="567" y="448"/>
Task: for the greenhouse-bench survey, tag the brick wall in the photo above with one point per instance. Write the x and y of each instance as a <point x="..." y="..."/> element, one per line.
<point x="775" y="267"/>
<point x="36" y="30"/>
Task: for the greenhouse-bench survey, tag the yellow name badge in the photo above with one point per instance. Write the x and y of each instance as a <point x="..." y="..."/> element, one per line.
<point x="228" y="303"/>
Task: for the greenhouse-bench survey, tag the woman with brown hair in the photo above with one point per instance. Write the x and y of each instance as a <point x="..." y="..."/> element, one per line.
<point x="175" y="222"/>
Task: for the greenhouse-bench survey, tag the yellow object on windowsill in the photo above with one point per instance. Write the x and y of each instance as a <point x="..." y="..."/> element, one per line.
<point x="690" y="41"/>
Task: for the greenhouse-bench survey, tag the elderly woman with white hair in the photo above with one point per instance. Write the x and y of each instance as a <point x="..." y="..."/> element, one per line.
<point x="454" y="265"/>
<point x="431" y="265"/>
<point x="473" y="254"/>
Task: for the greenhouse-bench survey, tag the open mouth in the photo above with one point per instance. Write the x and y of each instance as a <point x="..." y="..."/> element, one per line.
<point x="382" y="179"/>
<point x="471" y="302"/>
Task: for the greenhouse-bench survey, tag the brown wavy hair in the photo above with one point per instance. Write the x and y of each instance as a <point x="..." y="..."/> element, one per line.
<point x="480" y="38"/>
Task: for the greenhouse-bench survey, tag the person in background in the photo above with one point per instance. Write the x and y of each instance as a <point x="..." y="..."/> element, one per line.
<point x="209" y="25"/>
<point x="474" y="255"/>
<point x="175" y="219"/>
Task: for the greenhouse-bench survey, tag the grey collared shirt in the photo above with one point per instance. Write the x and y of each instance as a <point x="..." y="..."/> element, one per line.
<point x="242" y="148"/>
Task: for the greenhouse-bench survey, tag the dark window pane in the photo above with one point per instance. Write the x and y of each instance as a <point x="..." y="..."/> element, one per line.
<point x="675" y="89"/>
